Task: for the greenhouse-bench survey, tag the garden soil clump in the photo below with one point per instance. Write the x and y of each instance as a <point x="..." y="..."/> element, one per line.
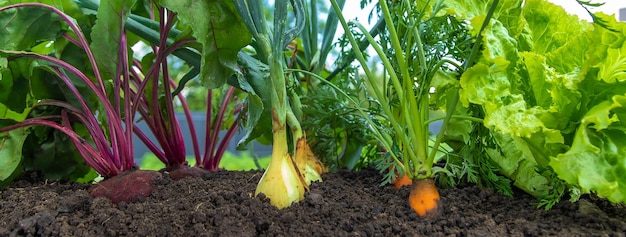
<point x="345" y="204"/>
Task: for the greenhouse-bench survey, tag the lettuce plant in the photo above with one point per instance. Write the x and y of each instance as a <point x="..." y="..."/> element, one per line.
<point x="551" y="90"/>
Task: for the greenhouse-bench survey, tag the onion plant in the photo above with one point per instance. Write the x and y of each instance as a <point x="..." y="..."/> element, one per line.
<point x="290" y="170"/>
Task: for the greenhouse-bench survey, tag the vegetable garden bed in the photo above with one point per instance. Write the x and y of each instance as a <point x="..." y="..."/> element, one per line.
<point x="345" y="204"/>
<point x="528" y="97"/>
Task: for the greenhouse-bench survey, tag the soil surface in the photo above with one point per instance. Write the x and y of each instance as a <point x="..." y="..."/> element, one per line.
<point x="345" y="204"/>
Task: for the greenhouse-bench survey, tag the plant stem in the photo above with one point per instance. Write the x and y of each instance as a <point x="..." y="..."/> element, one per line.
<point x="294" y="125"/>
<point x="460" y="117"/>
<point x="468" y="63"/>
<point x="386" y="140"/>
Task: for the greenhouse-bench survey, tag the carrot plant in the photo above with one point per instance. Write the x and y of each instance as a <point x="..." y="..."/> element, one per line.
<point x="410" y="71"/>
<point x="548" y="86"/>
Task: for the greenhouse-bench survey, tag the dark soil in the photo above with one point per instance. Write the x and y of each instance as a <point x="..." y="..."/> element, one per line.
<point x="345" y="204"/>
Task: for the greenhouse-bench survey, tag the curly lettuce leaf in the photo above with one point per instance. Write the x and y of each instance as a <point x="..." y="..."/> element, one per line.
<point x="550" y="26"/>
<point x="597" y="160"/>
<point x="613" y="68"/>
<point x="527" y="82"/>
<point x="517" y="163"/>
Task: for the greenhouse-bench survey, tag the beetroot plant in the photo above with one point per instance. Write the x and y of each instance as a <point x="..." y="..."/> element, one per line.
<point x="153" y="97"/>
<point x="123" y="87"/>
<point x="109" y="145"/>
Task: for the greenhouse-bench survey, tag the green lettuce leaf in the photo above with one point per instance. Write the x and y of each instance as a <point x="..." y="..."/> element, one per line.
<point x="597" y="160"/>
<point x="517" y="163"/>
<point x="613" y="68"/>
<point x="527" y="81"/>
<point x="550" y="26"/>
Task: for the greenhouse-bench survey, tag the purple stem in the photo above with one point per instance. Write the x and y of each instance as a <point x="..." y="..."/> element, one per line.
<point x="151" y="146"/>
<point x="128" y="112"/>
<point x="94" y="129"/>
<point x="217" y="126"/>
<point x="92" y="157"/>
<point x="167" y="132"/>
<point x="192" y="127"/>
<point x="222" y="147"/>
<point x="87" y="150"/>
<point x="208" y="129"/>
<point x="112" y="120"/>
<point x="140" y="106"/>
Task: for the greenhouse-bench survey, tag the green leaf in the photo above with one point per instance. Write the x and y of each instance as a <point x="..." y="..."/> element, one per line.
<point x="11" y="150"/>
<point x="53" y="152"/>
<point x="66" y="6"/>
<point x="14" y="85"/>
<point x="6" y="83"/>
<point x="597" y="160"/>
<point x="11" y="144"/>
<point x="6" y="113"/>
<point x="107" y="31"/>
<point x="528" y="83"/>
<point x="613" y="69"/>
<point x="23" y="28"/>
<point x="508" y="12"/>
<point x="551" y="26"/>
<point x="517" y="162"/>
<point x="254" y="81"/>
<point x="554" y="93"/>
<point x="219" y="28"/>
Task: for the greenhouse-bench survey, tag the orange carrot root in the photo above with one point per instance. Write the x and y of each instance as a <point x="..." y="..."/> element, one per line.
<point x="424" y="198"/>
<point x="402" y="181"/>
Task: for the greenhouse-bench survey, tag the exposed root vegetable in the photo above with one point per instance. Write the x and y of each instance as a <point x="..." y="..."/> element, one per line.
<point x="401" y="181"/>
<point x="424" y="198"/>
<point x="126" y="187"/>
<point x="184" y="171"/>
<point x="281" y="182"/>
